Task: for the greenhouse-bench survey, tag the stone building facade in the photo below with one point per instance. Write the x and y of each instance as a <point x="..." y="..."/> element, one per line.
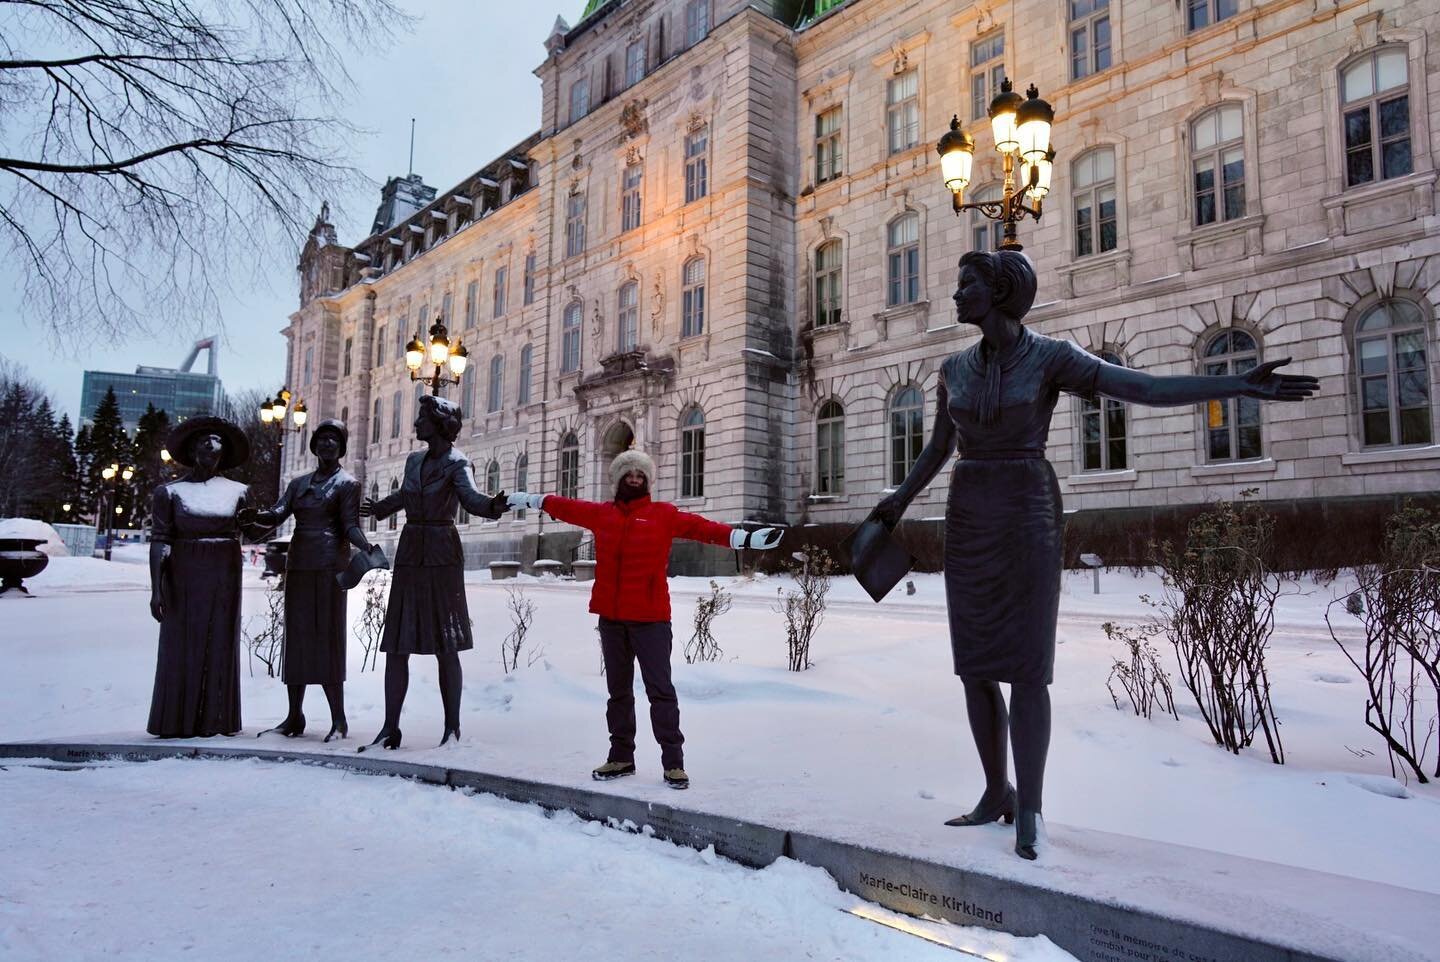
<point x="729" y="244"/>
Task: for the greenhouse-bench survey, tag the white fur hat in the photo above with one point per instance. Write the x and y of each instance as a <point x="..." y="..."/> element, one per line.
<point x="632" y="460"/>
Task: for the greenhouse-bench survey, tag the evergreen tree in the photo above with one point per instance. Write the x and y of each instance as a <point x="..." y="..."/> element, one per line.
<point x="44" y="488"/>
<point x="69" y="470"/>
<point x="109" y="445"/>
<point x="150" y="435"/>
<point x="82" y="492"/>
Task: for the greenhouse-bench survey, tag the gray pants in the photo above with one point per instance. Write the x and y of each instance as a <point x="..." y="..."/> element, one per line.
<point x="622" y="643"/>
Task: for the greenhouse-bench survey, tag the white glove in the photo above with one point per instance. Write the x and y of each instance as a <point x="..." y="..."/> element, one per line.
<point x="521" y="501"/>
<point x="761" y="539"/>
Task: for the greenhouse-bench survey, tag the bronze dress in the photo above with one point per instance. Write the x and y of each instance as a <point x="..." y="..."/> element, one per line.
<point x="197" y="669"/>
<point x="1003" y="519"/>
<point x="324" y="510"/>
<point x="427" y="613"/>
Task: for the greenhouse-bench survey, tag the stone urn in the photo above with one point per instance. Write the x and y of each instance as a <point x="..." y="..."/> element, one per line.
<point x="20" y="558"/>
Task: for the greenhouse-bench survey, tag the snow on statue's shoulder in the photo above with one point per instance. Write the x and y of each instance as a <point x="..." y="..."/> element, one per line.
<point x="33" y="530"/>
<point x="217" y="496"/>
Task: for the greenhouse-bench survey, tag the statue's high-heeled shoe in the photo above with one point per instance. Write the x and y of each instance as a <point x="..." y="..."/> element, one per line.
<point x="388" y="738"/>
<point x="1027" y="831"/>
<point x="290" y="728"/>
<point x="984" y="815"/>
<point x="451" y="733"/>
<point x="338" y="729"/>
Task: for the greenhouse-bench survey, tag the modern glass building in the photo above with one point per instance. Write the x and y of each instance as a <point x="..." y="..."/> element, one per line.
<point x="179" y="392"/>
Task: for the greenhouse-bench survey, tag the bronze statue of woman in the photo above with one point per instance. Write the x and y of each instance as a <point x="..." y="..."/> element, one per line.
<point x="326" y="507"/>
<point x="195" y="568"/>
<point x="427" y="613"/>
<point x="1003" y="521"/>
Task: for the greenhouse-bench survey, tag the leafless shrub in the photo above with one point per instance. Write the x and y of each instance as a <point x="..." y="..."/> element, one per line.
<point x="1397" y="601"/>
<point x="371" y="626"/>
<point x="1144" y="679"/>
<point x="702" y="645"/>
<point x="265" y="631"/>
<point x="804" y="605"/>
<point x="522" y="616"/>
<point x="1219" y="610"/>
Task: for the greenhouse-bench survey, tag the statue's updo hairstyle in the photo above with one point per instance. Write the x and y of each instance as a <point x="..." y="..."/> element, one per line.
<point x="445" y="414"/>
<point x="1011" y="277"/>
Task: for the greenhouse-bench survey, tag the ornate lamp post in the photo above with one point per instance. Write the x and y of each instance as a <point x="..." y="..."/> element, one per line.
<point x="444" y="356"/>
<point x="1022" y="136"/>
<point x="273" y="412"/>
<point x="113" y="475"/>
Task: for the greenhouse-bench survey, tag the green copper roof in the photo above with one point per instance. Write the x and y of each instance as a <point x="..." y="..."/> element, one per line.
<point x="591" y="6"/>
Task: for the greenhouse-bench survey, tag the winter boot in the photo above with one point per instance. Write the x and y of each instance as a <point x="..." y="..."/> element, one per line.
<point x="613" y="770"/>
<point x="676" y="778"/>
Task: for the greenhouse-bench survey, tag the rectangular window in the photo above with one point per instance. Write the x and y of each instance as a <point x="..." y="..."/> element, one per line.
<point x="570" y="340"/>
<point x="1089" y="37"/>
<point x="472" y="291"/>
<point x="697" y="21"/>
<point x="496" y="390"/>
<point x="447" y="304"/>
<point x="1218" y="165"/>
<point x="696" y="170"/>
<point x="575" y="225"/>
<point x="1377" y="101"/>
<point x="827" y="145"/>
<point x="579" y="99"/>
<point x="629" y="316"/>
<point x="692" y="306"/>
<point x="523" y="395"/>
<point x="1202" y="13"/>
<point x="400" y="337"/>
<point x="1093" y="179"/>
<point x="497" y="307"/>
<point x="395" y="415"/>
<point x="903" y="261"/>
<point x="630" y="197"/>
<point x="380" y="346"/>
<point x="827" y="284"/>
<point x="569" y="471"/>
<point x="345" y="369"/>
<point x="692" y="462"/>
<point x="527" y="296"/>
<point x="309" y="358"/>
<point x="987" y="70"/>
<point x="635" y="63"/>
<point x="902" y="111"/>
<point x="375" y="424"/>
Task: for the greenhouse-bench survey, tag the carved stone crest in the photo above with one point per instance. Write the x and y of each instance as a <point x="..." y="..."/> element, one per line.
<point x="633" y="121"/>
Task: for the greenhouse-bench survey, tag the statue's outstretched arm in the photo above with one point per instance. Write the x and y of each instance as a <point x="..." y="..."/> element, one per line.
<point x="1138" y="387"/>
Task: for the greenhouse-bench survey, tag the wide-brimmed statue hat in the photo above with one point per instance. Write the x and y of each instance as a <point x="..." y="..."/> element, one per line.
<point x="337" y="428"/>
<point x="237" y="446"/>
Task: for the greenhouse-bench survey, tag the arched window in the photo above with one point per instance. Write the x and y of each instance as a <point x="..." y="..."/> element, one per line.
<point x="497" y="384"/>
<point x="1102" y="429"/>
<point x="902" y="260"/>
<point x="569" y="473"/>
<point x="985" y="234"/>
<point x="492" y="478"/>
<point x="374" y="496"/>
<point x="522" y="479"/>
<point x="1093" y="200"/>
<point x="1232" y="427"/>
<point x="692" y="454"/>
<point x="1393" y="374"/>
<point x="692" y="297"/>
<point x="523" y="394"/>
<point x="375" y="420"/>
<point x="829" y="283"/>
<point x="629" y="315"/>
<point x="830" y="449"/>
<point x="394" y="518"/>
<point x="570" y="338"/>
<point x="1375" y="113"/>
<point x="907" y="431"/>
<point x="1217" y="164"/>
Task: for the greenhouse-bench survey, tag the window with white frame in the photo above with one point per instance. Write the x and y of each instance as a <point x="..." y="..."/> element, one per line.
<point x="1217" y="164"/>
<point x="827" y="145"/>
<point x="570" y="338"/>
<point x="907" y="431"/>
<point x="635" y="62"/>
<point x="494" y="396"/>
<point x="1375" y="106"/>
<point x="522" y="395"/>
<point x="630" y="184"/>
<point x="985" y="234"/>
<point x="692" y="454"/>
<point x="1102" y="428"/>
<point x="1232" y="427"/>
<point x="1202" y="13"/>
<point x="692" y="297"/>
<point x="829" y="283"/>
<point x="697" y="171"/>
<point x="522" y="477"/>
<point x="902" y="111"/>
<point x="492" y="478"/>
<point x="1092" y="197"/>
<point x="987" y="71"/>
<point x="902" y="260"/>
<point x="527" y="295"/>
<point x="568" y="480"/>
<point x="629" y="316"/>
<point x="575" y="224"/>
<point x="1089" y="37"/>
<point x="697" y="21"/>
<point x="830" y="449"/>
<point x="579" y="99"/>
<point x="502" y="279"/>
<point x="1393" y="374"/>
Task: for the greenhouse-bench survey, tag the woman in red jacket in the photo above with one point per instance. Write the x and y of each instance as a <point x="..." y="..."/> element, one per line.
<point x="632" y="598"/>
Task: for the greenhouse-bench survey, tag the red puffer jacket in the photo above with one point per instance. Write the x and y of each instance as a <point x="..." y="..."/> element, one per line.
<point x="632" y="551"/>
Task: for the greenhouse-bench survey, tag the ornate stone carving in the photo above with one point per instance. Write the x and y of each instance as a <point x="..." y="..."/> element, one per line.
<point x="633" y="121"/>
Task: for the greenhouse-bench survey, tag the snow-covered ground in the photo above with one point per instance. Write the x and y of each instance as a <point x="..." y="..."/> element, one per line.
<point x="251" y="860"/>
<point x="869" y="746"/>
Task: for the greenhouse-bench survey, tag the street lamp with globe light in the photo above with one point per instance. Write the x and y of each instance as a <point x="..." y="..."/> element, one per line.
<point x="444" y="356"/>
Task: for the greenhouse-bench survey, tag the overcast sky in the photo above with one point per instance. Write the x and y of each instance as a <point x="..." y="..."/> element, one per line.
<point x="465" y="74"/>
